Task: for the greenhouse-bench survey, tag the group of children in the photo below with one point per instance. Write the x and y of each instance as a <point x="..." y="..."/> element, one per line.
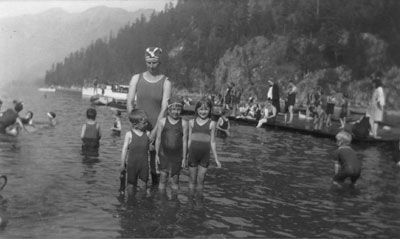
<point x="179" y="143"/>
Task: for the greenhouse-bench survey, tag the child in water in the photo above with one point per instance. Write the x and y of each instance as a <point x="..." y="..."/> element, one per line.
<point x="223" y="125"/>
<point x="116" y="129"/>
<point x="135" y="151"/>
<point x="52" y="119"/>
<point x="201" y="140"/>
<point x="91" y="134"/>
<point x="171" y="145"/>
<point x="347" y="165"/>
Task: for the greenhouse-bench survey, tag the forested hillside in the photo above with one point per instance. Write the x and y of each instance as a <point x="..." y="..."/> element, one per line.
<point x="337" y="44"/>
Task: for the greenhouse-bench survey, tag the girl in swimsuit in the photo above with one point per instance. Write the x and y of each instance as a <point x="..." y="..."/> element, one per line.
<point x="201" y="140"/>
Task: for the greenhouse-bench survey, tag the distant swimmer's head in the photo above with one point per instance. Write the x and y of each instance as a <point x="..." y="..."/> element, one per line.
<point x="343" y="138"/>
<point x="138" y="119"/>
<point x="91" y="113"/>
<point x="51" y="115"/>
<point x="18" y="106"/>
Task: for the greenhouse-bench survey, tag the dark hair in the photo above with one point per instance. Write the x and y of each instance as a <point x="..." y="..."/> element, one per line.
<point x="136" y="116"/>
<point x="206" y="102"/>
<point x="377" y="82"/>
<point x="18" y="106"/>
<point x="91" y="113"/>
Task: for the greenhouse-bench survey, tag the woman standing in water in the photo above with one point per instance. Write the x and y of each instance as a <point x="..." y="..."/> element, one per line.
<point x="152" y="91"/>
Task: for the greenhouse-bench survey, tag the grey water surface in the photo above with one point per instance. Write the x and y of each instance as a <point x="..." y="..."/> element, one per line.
<point x="272" y="184"/>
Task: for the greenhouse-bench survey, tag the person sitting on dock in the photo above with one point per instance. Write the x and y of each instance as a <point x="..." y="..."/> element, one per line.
<point x="319" y="117"/>
<point x="362" y="127"/>
<point x="269" y="114"/>
<point x="347" y="164"/>
<point x="290" y="102"/>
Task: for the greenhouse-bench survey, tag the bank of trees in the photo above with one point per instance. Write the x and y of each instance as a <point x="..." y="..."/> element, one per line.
<point x="359" y="35"/>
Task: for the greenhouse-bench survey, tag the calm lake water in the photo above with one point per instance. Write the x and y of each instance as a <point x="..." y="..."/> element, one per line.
<point x="272" y="184"/>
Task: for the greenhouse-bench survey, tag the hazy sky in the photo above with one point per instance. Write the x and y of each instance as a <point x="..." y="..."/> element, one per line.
<point x="11" y="8"/>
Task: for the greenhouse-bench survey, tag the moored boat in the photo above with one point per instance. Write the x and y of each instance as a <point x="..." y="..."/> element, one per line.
<point x="47" y="89"/>
<point x="117" y="92"/>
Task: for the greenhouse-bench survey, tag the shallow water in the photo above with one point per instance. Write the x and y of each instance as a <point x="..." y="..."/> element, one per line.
<point x="272" y="184"/>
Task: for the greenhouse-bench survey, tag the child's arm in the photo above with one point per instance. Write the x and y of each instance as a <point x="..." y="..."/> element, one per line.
<point x="83" y="131"/>
<point x="160" y="126"/>
<point x="127" y="140"/>
<point x="99" y="131"/>
<point x="185" y="142"/>
<point x="191" y="123"/>
<point x="213" y="144"/>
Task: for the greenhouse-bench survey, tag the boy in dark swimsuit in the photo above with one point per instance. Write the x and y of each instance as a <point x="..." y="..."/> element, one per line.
<point x="134" y="156"/>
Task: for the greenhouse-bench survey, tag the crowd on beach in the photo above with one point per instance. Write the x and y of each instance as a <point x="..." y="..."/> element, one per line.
<point x="319" y="107"/>
<point x="160" y="142"/>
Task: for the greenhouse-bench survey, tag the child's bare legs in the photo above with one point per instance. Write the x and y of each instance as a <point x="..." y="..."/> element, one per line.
<point x="163" y="182"/>
<point x="174" y="186"/>
<point x="192" y="179"/>
<point x="328" y="120"/>
<point x="200" y="179"/>
<point x="262" y="121"/>
<point x="290" y="115"/>
<point x="343" y="122"/>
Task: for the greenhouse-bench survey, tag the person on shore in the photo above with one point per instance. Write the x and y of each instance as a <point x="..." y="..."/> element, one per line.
<point x="135" y="152"/>
<point x="344" y="112"/>
<point x="171" y="146"/>
<point x="319" y="117"/>
<point x="273" y="93"/>
<point x="290" y="102"/>
<point x="269" y="112"/>
<point x="228" y="96"/>
<point x="117" y="127"/>
<point x="201" y="141"/>
<point x="223" y="125"/>
<point x="330" y="108"/>
<point x="10" y="122"/>
<point x="152" y="91"/>
<point x="346" y="162"/>
<point x="91" y="134"/>
<point x="362" y="127"/>
<point x="377" y="105"/>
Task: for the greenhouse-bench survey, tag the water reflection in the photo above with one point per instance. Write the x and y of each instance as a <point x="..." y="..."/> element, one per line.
<point x="273" y="184"/>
